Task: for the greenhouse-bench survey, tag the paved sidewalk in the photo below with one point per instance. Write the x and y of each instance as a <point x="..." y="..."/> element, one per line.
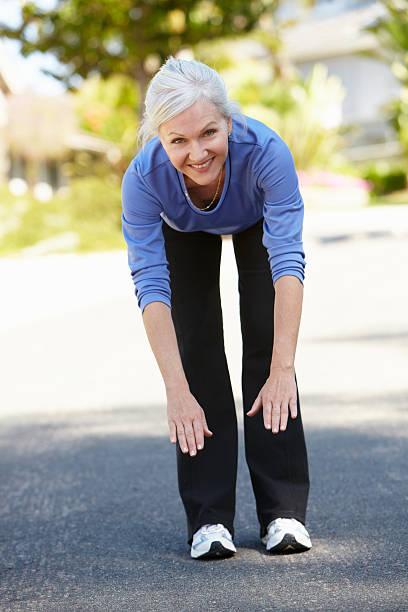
<point x="369" y="222"/>
<point x="90" y="516"/>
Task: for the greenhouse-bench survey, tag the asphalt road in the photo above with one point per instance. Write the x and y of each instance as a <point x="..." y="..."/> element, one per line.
<point x="90" y="515"/>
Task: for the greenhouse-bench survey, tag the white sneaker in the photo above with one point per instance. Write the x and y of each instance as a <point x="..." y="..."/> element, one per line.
<point x="212" y="541"/>
<point x="286" y="535"/>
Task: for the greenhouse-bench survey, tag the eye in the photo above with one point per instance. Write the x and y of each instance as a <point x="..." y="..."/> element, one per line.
<point x="210" y="132"/>
<point x="177" y="140"/>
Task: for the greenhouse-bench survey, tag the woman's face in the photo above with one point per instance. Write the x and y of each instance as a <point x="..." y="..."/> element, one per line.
<point x="196" y="141"/>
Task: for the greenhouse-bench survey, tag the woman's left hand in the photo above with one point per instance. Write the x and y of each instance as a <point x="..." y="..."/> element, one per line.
<point x="278" y="397"/>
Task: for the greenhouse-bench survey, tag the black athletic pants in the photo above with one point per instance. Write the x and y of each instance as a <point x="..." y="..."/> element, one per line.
<point x="277" y="462"/>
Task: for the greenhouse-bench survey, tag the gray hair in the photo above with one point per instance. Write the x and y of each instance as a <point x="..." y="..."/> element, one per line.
<point x="176" y="86"/>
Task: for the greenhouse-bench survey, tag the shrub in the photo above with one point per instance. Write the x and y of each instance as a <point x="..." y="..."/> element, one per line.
<point x="91" y="209"/>
<point x="385" y="178"/>
<point x="304" y="112"/>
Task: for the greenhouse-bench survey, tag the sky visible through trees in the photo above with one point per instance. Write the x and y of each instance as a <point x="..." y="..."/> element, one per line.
<point x="29" y="68"/>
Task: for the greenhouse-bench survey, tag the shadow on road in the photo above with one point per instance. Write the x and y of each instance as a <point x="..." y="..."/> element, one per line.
<point x="91" y="520"/>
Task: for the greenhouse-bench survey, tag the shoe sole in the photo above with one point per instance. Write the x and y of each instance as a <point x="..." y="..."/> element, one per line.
<point x="217" y="551"/>
<point x="288" y="544"/>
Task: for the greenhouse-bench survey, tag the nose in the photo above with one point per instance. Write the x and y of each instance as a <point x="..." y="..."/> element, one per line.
<point x="197" y="153"/>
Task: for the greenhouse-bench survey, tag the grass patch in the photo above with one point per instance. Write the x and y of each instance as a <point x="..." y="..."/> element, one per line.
<point x="396" y="197"/>
<point x="91" y="212"/>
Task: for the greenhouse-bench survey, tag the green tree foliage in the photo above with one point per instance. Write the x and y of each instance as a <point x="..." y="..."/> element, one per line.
<point x="303" y="112"/>
<point x="128" y="37"/>
<point x="392" y="32"/>
<point x="106" y="107"/>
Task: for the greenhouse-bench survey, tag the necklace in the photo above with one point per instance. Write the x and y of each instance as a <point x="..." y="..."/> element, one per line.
<point x="212" y="201"/>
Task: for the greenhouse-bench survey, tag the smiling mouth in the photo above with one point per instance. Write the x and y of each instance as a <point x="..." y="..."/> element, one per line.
<point x="204" y="165"/>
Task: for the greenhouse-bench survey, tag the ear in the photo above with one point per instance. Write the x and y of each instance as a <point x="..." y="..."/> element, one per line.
<point x="229" y="123"/>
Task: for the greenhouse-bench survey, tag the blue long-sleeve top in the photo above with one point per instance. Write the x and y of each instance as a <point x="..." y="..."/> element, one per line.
<point x="260" y="181"/>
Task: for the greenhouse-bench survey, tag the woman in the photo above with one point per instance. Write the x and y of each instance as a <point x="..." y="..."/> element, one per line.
<point x="206" y="172"/>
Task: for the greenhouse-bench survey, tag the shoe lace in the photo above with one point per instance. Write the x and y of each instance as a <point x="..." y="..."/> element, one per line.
<point x="213" y="528"/>
<point x="282" y="523"/>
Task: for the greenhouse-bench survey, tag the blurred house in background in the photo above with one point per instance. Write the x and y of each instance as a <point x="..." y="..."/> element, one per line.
<point x="38" y="135"/>
<point x="8" y="86"/>
<point x="333" y="33"/>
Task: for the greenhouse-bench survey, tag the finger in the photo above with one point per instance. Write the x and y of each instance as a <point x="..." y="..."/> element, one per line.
<point x="284" y="416"/>
<point x="206" y="429"/>
<point x="198" y="434"/>
<point x="276" y="410"/>
<point x="182" y="439"/>
<point x="191" y="443"/>
<point x="255" y="406"/>
<point x="267" y="414"/>
<point x="293" y="408"/>
<point x="173" y="432"/>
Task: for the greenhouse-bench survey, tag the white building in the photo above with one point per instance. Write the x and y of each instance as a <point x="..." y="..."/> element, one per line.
<point x="333" y="33"/>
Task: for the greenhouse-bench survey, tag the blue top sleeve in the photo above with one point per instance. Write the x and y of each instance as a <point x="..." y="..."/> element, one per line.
<point x="283" y="209"/>
<point x="142" y="229"/>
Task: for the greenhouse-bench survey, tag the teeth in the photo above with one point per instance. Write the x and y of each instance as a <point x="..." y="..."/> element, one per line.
<point x="201" y="165"/>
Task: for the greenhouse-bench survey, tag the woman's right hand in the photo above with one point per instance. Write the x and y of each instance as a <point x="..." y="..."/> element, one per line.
<point x="186" y="418"/>
<point x="187" y="422"/>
